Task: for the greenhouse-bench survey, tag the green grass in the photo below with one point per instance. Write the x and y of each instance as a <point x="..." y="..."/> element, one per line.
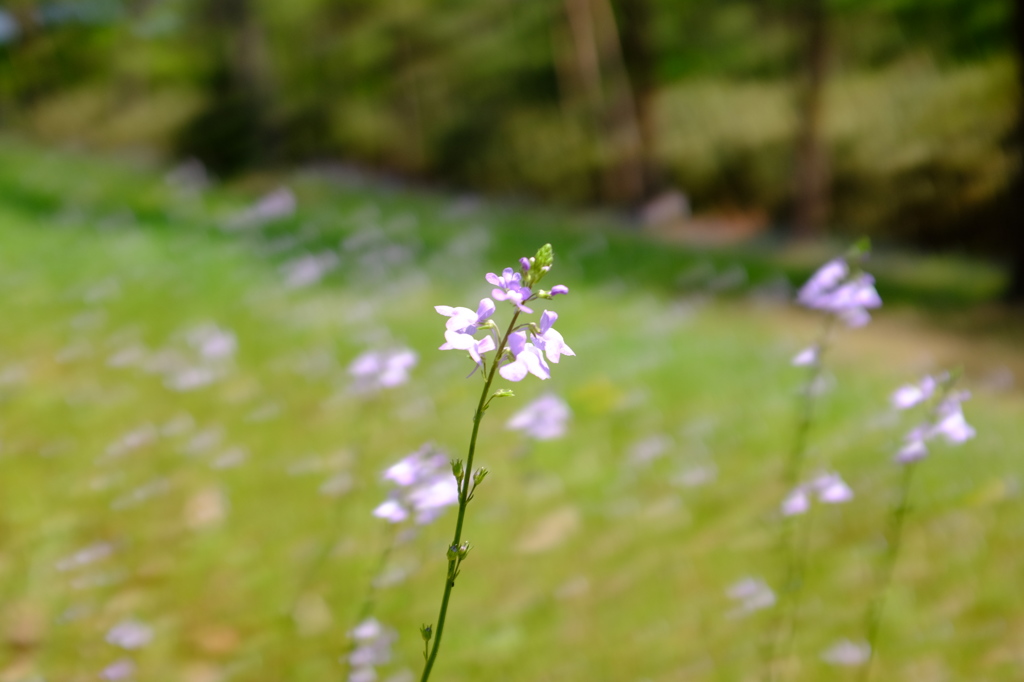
<point x="587" y="566"/>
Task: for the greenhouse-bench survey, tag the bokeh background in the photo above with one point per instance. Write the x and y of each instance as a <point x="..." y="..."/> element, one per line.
<point x="210" y="209"/>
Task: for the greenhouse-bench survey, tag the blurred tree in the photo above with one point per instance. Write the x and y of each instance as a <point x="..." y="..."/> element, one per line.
<point x="233" y="130"/>
<point x="811" y="172"/>
<point x="640" y="58"/>
<point x="1015" y="212"/>
<point x="599" y="74"/>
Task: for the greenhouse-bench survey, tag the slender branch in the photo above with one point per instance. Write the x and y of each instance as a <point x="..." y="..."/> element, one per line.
<point x="370" y="600"/>
<point x="783" y="627"/>
<point x="464" y="493"/>
<point x="893" y="539"/>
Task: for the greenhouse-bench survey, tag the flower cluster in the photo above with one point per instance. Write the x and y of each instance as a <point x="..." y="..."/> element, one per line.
<point x="382" y="369"/>
<point x="425" y="486"/>
<point x="543" y="419"/>
<point x="528" y="347"/>
<point x="839" y="291"/>
<point x="828" y="488"/>
<point x="946" y="417"/>
<point x="372" y="648"/>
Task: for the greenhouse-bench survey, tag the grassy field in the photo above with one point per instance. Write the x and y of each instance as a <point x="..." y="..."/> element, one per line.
<point x="222" y="500"/>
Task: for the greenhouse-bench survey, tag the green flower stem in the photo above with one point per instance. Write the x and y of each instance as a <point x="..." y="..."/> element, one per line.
<point x="464" y="491"/>
<point x="782" y="626"/>
<point x="370" y="599"/>
<point x="893" y="539"/>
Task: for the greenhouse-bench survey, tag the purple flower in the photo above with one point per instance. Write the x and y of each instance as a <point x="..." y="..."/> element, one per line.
<point x="753" y="594"/>
<point x="946" y="419"/>
<point x="120" y="669"/>
<point x="463" y="324"/>
<point x="528" y="350"/>
<point x="829" y="488"/>
<point x="543" y="419"/>
<point x="847" y="653"/>
<point x="806" y="357"/>
<point x="130" y="634"/>
<point x="833" y="290"/>
<point x="510" y="288"/>
<point x="425" y="486"/>
<point x="372" y="648"/>
<point x="550" y="341"/>
<point x="528" y="360"/>
<point x="907" y="396"/>
<point x="382" y="369"/>
<point x="559" y="289"/>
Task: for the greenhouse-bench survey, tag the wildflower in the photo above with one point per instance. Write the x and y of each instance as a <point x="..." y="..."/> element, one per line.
<point x="425" y="487"/>
<point x="463" y="324"/>
<point x="543" y="419"/>
<point x="946" y="418"/>
<point x="835" y="290"/>
<point x="130" y="634"/>
<point x="829" y="488"/>
<point x="510" y="288"/>
<point x="526" y="350"/>
<point x="806" y="357"/>
<point x="753" y="594"/>
<point x="912" y="394"/>
<point x="372" y="648"/>
<point x="382" y="369"/>
<point x="549" y="340"/>
<point x="527" y="360"/>
<point x="847" y="653"/>
<point x="120" y="669"/>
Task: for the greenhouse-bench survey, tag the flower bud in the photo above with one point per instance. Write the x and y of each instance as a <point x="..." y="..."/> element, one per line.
<point x="426" y="632"/>
<point x="453" y="553"/>
<point x="545" y="257"/>
<point x="504" y="393"/>
<point x="478" y="476"/>
<point x="457" y="469"/>
<point x="464" y="549"/>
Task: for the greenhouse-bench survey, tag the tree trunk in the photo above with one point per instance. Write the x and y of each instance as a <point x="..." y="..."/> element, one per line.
<point x="607" y="98"/>
<point x="639" y="60"/>
<point x="1015" y="208"/>
<point x="811" y="177"/>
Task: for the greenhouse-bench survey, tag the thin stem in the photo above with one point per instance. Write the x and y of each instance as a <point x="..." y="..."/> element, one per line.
<point x="784" y="620"/>
<point x="370" y="600"/>
<point x="893" y="537"/>
<point x="449" y="581"/>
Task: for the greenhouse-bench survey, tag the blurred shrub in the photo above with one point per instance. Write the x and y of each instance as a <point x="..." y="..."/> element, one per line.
<point x="914" y="147"/>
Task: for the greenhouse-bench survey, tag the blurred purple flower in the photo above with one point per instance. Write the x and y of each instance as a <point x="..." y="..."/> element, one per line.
<point x="946" y="418"/>
<point x="828" y="488"/>
<point x="833" y="290"/>
<point x="753" y="594"/>
<point x="425" y="486"/>
<point x="382" y="369"/>
<point x="372" y="648"/>
<point x="806" y="357"/>
<point x="119" y="670"/>
<point x="847" y="653"/>
<point x="907" y="396"/>
<point x="543" y="419"/>
<point x="130" y="634"/>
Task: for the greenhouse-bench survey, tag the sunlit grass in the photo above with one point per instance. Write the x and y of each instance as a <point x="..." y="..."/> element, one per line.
<point x="602" y="556"/>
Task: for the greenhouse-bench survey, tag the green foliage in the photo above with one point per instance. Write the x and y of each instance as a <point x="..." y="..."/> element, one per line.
<point x="482" y="94"/>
